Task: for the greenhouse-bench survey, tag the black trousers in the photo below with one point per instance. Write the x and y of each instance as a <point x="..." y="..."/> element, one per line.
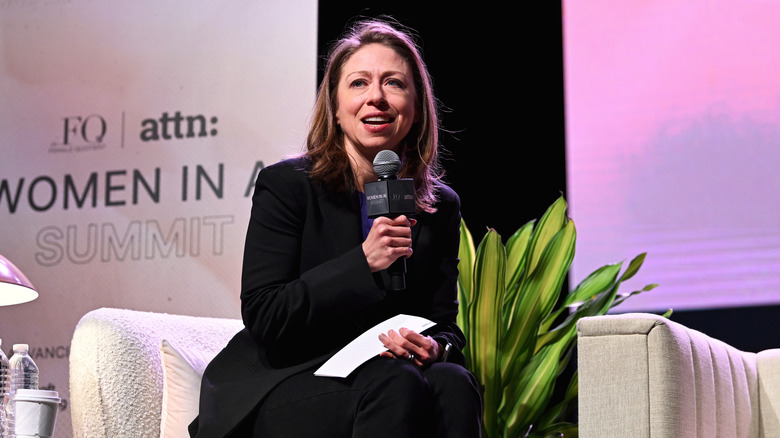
<point x="383" y="398"/>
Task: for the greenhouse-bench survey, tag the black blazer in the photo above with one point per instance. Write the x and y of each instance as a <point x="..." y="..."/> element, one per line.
<point x="307" y="289"/>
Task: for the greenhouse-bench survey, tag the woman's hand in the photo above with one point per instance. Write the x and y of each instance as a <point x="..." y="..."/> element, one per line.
<point x="388" y="240"/>
<point x="409" y="345"/>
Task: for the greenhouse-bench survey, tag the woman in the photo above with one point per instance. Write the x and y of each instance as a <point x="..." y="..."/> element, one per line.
<point x="315" y="266"/>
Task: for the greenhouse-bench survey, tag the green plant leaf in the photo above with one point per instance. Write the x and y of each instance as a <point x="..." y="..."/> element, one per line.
<point x="634" y="266"/>
<point x="554" y="358"/>
<point x="622" y="297"/>
<point x="517" y="250"/>
<point x="595" y="283"/>
<point x="600" y="304"/>
<point x="567" y="328"/>
<point x="606" y="300"/>
<point x="484" y="317"/>
<point x="551" y="222"/>
<point x="557" y="430"/>
<point x="525" y="401"/>
<point x="466" y="253"/>
<point x="536" y="299"/>
<point x="564" y="409"/>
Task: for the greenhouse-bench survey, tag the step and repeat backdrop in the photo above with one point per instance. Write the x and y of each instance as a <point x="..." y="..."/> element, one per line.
<point x="673" y="144"/>
<point x="130" y="137"/>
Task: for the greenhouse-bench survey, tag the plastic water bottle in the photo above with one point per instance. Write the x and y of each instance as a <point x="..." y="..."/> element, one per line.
<point x="24" y="375"/>
<point x="5" y="388"/>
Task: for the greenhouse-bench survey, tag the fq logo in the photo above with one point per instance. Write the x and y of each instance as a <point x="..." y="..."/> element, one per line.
<point x="81" y="133"/>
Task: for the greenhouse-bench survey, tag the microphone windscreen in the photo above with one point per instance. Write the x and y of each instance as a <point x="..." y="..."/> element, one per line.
<point x="386" y="164"/>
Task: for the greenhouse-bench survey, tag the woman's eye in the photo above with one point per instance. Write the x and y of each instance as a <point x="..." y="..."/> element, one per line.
<point x="395" y="83"/>
<point x="358" y="83"/>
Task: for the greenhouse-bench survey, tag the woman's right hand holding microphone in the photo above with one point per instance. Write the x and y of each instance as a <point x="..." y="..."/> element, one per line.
<point x="388" y="240"/>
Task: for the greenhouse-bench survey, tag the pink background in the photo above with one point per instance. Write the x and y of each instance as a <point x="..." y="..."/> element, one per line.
<point x="673" y="142"/>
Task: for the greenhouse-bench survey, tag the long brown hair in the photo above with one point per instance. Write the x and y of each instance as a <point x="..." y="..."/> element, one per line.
<point x="325" y="142"/>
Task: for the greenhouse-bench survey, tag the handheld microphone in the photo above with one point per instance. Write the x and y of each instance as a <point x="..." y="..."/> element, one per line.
<point x="391" y="196"/>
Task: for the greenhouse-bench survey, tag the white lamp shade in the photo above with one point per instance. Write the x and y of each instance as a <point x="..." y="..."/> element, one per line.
<point x="15" y="288"/>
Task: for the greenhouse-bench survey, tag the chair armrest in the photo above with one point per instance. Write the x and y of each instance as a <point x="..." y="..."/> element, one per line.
<point x="642" y="375"/>
<point x="768" y="363"/>
<point x="116" y="376"/>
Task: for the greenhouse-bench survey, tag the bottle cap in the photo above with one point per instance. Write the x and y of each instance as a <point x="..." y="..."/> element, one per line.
<point x="23" y="347"/>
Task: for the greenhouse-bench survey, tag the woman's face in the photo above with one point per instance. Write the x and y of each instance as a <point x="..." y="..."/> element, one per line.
<point x="376" y="100"/>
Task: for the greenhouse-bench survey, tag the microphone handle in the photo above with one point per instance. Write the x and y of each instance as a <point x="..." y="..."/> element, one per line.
<point x="397" y="273"/>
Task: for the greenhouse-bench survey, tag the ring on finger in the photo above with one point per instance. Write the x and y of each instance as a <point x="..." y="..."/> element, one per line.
<point x="410" y="358"/>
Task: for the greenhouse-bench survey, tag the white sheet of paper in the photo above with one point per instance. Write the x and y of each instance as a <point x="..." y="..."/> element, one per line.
<point x="367" y="345"/>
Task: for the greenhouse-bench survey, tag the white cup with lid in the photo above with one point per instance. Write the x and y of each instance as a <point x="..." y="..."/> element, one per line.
<point x="36" y="413"/>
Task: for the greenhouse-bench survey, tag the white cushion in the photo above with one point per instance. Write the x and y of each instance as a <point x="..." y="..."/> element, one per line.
<point x="182" y="372"/>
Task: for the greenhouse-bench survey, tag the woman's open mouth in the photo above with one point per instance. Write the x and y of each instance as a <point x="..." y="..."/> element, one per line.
<point x="377" y="120"/>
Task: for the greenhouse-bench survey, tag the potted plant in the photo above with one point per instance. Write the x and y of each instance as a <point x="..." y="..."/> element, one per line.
<point x="521" y="326"/>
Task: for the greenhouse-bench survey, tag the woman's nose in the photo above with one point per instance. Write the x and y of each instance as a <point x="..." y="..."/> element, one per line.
<point x="377" y="95"/>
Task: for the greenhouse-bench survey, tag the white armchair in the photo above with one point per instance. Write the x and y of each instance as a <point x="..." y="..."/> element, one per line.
<point x="137" y="374"/>
<point x="642" y="375"/>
